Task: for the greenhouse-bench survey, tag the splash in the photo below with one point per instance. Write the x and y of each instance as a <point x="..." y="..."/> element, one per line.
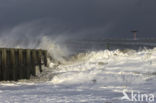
<point x="33" y="35"/>
<point x="107" y="66"/>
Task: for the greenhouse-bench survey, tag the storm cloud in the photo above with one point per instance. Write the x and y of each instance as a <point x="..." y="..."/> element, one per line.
<point x="79" y="18"/>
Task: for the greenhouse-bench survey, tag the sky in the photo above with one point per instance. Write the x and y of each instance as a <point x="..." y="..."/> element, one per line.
<point x="78" y="18"/>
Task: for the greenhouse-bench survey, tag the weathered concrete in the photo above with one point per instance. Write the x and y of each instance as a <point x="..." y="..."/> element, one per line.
<point x="18" y="64"/>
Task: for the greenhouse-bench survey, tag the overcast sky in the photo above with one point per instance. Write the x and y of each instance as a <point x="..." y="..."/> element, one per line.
<point x="79" y="18"/>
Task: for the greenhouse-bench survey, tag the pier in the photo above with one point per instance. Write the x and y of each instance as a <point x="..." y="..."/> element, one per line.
<point x="18" y="64"/>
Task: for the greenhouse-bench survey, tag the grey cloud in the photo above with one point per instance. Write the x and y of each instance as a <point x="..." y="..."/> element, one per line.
<point x="96" y="18"/>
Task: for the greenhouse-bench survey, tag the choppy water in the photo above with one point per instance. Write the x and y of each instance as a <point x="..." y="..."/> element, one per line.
<point x="91" y="75"/>
<point x="111" y="44"/>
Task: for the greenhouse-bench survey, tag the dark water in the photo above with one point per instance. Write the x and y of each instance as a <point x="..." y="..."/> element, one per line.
<point x="78" y="46"/>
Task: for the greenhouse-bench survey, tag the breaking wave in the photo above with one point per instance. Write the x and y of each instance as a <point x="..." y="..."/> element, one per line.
<point x="107" y="66"/>
<point x="95" y="66"/>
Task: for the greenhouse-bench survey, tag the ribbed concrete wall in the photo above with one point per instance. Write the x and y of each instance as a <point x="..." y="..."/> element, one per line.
<point x="18" y="64"/>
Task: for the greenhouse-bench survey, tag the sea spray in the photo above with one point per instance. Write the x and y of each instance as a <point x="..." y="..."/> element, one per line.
<point x="105" y="66"/>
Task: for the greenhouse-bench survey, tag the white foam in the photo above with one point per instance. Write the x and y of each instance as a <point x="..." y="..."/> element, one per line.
<point x="98" y="64"/>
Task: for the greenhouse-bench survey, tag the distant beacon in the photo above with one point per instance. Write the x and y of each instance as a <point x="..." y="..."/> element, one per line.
<point x="134" y="34"/>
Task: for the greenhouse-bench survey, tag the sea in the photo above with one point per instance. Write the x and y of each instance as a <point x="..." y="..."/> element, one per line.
<point x="89" y="71"/>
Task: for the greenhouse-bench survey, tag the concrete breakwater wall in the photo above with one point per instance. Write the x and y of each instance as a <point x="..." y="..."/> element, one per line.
<point x="18" y="64"/>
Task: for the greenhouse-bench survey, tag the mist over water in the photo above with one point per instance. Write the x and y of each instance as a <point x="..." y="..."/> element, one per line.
<point x="79" y="69"/>
<point x="82" y="66"/>
<point x="36" y="35"/>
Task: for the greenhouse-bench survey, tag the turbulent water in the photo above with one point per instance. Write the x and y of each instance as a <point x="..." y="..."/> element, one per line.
<point x="91" y="76"/>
